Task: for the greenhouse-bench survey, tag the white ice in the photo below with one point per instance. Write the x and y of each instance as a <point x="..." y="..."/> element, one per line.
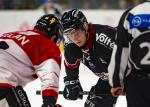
<point x="87" y="79"/>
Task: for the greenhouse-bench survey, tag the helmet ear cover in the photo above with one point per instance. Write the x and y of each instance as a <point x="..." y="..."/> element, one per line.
<point x="58" y="32"/>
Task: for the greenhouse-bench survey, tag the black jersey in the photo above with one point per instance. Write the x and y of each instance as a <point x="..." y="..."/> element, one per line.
<point x="95" y="54"/>
<point x="132" y="48"/>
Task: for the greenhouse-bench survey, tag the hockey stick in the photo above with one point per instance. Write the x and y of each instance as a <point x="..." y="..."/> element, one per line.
<point x="38" y="92"/>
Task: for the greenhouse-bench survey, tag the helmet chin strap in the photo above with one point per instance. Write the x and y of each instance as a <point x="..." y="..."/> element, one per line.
<point x="87" y="33"/>
<point x="53" y="38"/>
<point x="87" y="36"/>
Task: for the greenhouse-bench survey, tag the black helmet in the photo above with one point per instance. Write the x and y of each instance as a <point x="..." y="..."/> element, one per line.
<point x="51" y="25"/>
<point x="72" y="20"/>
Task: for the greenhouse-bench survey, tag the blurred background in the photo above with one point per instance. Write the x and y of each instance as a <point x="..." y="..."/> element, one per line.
<point x="23" y="14"/>
<point x="67" y="4"/>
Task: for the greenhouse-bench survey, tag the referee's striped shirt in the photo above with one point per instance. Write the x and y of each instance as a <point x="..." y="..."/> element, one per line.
<point x="132" y="48"/>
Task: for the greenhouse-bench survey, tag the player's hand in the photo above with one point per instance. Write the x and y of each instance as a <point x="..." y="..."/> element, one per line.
<point x="49" y="101"/>
<point x="117" y="91"/>
<point x="45" y="105"/>
<point x="72" y="89"/>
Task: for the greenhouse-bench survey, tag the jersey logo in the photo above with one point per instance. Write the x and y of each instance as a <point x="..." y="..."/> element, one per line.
<point x="103" y="76"/>
<point x="86" y="55"/>
<point x="103" y="61"/>
<point x="139" y="21"/>
<point x="104" y="40"/>
<point x="92" y="66"/>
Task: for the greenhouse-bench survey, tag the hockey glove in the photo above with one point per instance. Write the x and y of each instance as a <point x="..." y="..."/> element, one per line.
<point x="72" y="89"/>
<point x="49" y="101"/>
<point x="45" y="105"/>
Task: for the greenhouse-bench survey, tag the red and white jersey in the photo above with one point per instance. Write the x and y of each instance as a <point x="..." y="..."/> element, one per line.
<point x="26" y="55"/>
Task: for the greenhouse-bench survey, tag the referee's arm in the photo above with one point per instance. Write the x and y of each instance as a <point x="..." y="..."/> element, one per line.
<point x="120" y="52"/>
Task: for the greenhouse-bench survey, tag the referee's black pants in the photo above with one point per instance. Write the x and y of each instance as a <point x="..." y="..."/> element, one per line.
<point x="137" y="87"/>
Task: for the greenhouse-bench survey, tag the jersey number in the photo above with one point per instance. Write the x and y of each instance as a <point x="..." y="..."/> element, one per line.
<point x="146" y="58"/>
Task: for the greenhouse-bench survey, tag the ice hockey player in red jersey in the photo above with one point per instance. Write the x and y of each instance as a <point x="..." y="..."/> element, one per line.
<point x="31" y="54"/>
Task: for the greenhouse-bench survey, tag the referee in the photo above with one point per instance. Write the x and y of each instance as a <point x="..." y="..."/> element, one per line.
<point x="129" y="69"/>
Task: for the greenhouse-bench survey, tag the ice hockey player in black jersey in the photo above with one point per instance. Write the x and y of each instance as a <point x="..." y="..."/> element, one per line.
<point x="92" y="45"/>
<point x="130" y="63"/>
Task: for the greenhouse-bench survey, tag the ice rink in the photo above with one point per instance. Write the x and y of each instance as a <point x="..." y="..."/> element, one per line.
<point x="87" y="79"/>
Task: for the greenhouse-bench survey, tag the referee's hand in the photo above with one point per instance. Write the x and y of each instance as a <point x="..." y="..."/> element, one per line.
<point x="117" y="91"/>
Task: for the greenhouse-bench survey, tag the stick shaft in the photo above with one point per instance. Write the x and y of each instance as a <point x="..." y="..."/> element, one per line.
<point x="38" y="92"/>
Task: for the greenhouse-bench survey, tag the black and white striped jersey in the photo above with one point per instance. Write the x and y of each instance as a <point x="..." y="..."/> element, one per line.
<point x="132" y="49"/>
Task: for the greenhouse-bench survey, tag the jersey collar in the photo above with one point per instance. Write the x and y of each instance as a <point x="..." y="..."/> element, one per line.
<point x="91" y="31"/>
<point x="39" y="31"/>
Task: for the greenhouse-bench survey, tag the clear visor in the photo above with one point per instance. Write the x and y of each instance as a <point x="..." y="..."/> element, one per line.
<point x="74" y="34"/>
<point x="67" y="32"/>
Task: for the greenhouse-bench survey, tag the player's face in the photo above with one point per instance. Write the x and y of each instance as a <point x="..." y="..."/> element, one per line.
<point x="78" y="37"/>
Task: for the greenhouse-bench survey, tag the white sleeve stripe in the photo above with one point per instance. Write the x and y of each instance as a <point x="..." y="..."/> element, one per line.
<point x="111" y="66"/>
<point x="47" y="65"/>
<point x="123" y="63"/>
<point x="48" y="73"/>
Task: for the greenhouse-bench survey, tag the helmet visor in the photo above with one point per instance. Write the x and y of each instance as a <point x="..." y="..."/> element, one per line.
<point x="75" y="34"/>
<point x="71" y="26"/>
<point x="67" y="32"/>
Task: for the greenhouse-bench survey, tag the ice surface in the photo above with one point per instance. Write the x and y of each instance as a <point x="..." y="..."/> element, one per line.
<point x="87" y="79"/>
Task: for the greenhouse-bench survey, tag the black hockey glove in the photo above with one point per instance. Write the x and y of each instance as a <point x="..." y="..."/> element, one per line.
<point x="49" y="101"/>
<point x="45" y="105"/>
<point x="72" y="89"/>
